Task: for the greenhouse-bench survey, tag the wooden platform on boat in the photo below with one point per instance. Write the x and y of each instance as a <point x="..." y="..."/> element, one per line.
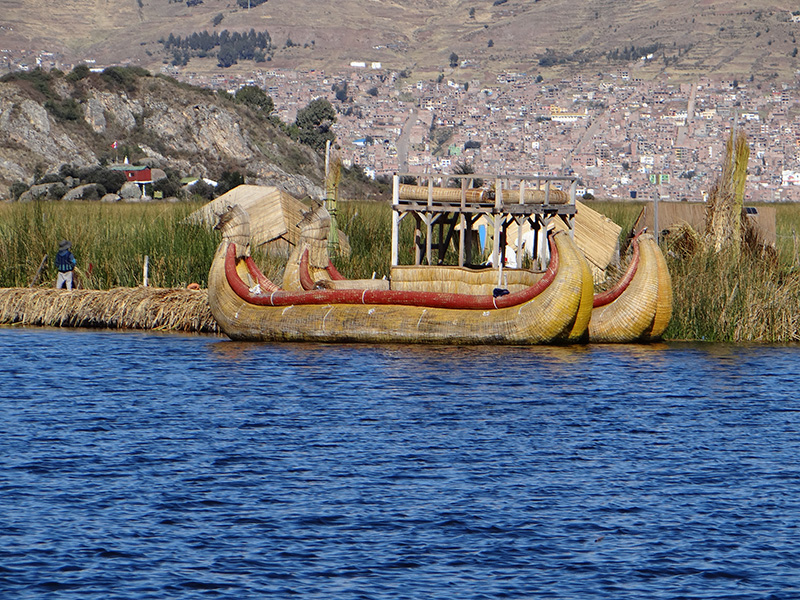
<point x="447" y="207"/>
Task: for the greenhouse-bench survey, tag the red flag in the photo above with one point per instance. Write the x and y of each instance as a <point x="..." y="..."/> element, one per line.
<point x="114" y="145"/>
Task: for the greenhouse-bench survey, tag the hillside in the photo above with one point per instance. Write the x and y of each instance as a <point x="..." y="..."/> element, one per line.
<point x="50" y="120"/>
<point x="688" y="37"/>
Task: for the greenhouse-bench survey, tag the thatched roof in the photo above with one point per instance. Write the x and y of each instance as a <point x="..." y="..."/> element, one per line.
<point x="274" y="213"/>
<point x="597" y="236"/>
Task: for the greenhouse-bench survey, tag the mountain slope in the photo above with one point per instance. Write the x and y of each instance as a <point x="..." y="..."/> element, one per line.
<point x="723" y="36"/>
<point x="179" y="127"/>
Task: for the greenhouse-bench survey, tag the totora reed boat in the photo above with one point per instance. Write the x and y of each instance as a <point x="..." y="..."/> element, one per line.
<point x="433" y="304"/>
<point x="549" y="307"/>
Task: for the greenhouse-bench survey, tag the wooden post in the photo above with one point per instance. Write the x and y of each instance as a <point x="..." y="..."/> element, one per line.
<point x="655" y="211"/>
<point x="543" y="254"/>
<point x="146" y="264"/>
<point x="498" y="220"/>
<point x="41" y="267"/>
<point x="417" y="239"/>
<point x="428" y="235"/>
<point x="395" y="218"/>
<point x="462" y="238"/>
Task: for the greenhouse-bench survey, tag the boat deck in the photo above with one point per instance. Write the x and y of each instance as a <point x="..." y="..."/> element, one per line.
<point x="447" y="208"/>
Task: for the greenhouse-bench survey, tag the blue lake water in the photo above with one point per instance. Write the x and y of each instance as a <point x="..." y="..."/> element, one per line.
<point x="138" y="465"/>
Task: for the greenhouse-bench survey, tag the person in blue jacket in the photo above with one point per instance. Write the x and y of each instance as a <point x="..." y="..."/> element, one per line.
<point x="65" y="263"/>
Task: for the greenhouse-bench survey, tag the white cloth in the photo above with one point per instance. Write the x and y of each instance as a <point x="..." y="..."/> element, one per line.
<point x="511" y="257"/>
<point x="64" y="280"/>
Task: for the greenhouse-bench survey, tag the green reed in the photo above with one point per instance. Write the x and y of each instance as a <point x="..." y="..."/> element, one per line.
<point x="754" y="296"/>
<point x="110" y="242"/>
<point x="623" y="214"/>
<point x="368" y="226"/>
<point x="734" y="297"/>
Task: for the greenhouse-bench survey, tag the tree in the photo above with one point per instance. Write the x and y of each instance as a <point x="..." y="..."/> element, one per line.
<point x="17" y="189"/>
<point x="226" y="56"/>
<point x="313" y="124"/>
<point x="110" y="180"/>
<point x="466" y="168"/>
<point x="341" y="91"/>
<point x="228" y="181"/>
<point x="81" y="72"/>
<point x="169" y="186"/>
<point x="255" y="98"/>
<point x="202" y="189"/>
<point x="453" y="60"/>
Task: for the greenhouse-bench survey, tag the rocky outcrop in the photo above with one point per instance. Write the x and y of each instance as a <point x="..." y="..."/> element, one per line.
<point x="89" y="191"/>
<point x="29" y="139"/>
<point x="130" y="191"/>
<point x="42" y="191"/>
<point x="199" y="129"/>
<point x="190" y="131"/>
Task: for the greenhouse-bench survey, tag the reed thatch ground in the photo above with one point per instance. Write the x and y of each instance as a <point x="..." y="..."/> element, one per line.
<point x="118" y="308"/>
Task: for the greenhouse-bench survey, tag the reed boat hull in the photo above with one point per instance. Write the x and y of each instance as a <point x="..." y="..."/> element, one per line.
<point x="641" y="307"/>
<point x="559" y="313"/>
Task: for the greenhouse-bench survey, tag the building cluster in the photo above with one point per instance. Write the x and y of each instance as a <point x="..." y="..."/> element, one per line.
<point x="625" y="137"/>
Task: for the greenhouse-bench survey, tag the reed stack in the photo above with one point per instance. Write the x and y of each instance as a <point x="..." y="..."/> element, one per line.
<point x="119" y="308"/>
<point x="726" y="198"/>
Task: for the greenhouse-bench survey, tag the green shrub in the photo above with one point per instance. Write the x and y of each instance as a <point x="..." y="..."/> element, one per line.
<point x="124" y="77"/>
<point x="51" y="178"/>
<point x="17" y="189"/>
<point x="228" y="181"/>
<point x="170" y="186"/>
<point x="111" y="180"/>
<point x="255" y="98"/>
<point x="79" y="72"/>
<point x="64" y="110"/>
<point x="202" y="189"/>
<point x="57" y="191"/>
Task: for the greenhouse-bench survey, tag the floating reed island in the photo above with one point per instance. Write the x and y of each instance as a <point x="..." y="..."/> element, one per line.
<point x="151" y="308"/>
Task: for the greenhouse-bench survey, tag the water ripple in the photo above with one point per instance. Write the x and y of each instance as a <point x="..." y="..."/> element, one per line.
<point x="140" y="465"/>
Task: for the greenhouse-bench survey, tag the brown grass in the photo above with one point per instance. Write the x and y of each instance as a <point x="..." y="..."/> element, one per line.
<point x="119" y="308"/>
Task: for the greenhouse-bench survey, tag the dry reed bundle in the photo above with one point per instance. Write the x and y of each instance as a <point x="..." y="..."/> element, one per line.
<point x="420" y="192"/>
<point x="460" y="280"/>
<point x="726" y="198"/>
<point x="537" y="196"/>
<point x="314" y="227"/>
<point x="441" y="194"/>
<point x="644" y="309"/>
<point x="118" y="308"/>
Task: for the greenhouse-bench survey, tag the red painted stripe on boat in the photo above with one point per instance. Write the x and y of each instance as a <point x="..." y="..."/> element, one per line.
<point x="361" y="296"/>
<point x="615" y="292"/>
<point x="334" y="273"/>
<point x="255" y="273"/>
<point x="306" y="281"/>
